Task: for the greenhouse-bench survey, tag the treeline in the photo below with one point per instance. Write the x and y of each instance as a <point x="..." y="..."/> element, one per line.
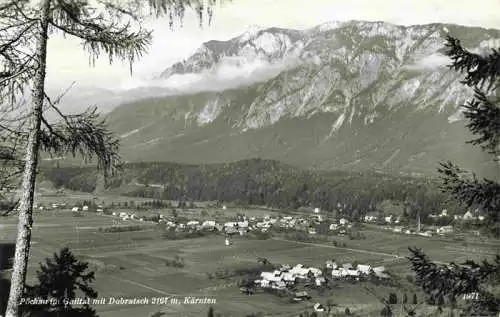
<point x="265" y="182"/>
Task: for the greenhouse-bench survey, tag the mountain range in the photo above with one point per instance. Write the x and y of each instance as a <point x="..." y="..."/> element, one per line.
<point x="352" y="95"/>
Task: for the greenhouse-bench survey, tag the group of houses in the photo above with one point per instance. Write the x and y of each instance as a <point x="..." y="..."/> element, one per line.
<point x="288" y="276"/>
<point x="442" y="230"/>
<point x="64" y="206"/>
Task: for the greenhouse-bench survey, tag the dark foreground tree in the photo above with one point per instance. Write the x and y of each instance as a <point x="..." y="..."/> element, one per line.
<point x="4" y="293"/>
<point x="210" y="312"/>
<point x="62" y="279"/>
<point x="104" y="27"/>
<point x="447" y="284"/>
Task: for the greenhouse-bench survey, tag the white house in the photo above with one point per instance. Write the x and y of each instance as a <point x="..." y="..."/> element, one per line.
<point x="364" y="269"/>
<point x="270" y="276"/>
<point x="192" y="223"/>
<point x="468" y="216"/>
<point x="343" y="221"/>
<point x="224" y="207"/>
<point x="320" y="280"/>
<point x="341" y="272"/>
<point x="85" y="208"/>
<point x="444" y="230"/>
<point x="312" y="231"/>
<point x="316" y="210"/>
<point x="278" y="285"/>
<point x="331" y="264"/>
<point x="370" y="218"/>
<point x="353" y="273"/>
<point x="242" y="224"/>
<point x="288" y="277"/>
<point x="299" y="271"/>
<point x="208" y="224"/>
<point x="75" y="209"/>
<point x="315" y="271"/>
<point x="333" y="227"/>
<point x="388" y="219"/>
<point x="318" y="307"/>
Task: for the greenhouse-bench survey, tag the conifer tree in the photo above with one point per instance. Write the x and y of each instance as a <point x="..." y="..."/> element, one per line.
<point x="446" y="284"/>
<point x="104" y="27"/>
<point x="62" y="279"/>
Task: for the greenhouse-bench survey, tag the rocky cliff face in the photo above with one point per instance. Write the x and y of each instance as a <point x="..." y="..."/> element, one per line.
<point x="348" y="95"/>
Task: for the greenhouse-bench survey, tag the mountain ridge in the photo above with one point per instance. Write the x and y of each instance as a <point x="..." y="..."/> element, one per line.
<point x="355" y="97"/>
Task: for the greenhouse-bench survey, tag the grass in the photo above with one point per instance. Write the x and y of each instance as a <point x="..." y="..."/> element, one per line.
<point x="142" y="254"/>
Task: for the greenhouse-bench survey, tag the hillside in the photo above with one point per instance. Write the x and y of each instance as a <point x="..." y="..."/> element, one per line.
<point x="351" y="96"/>
<point x="261" y="182"/>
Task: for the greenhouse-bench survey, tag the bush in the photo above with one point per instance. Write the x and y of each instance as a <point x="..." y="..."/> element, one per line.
<point x="259" y="235"/>
<point x="180" y="235"/>
<point x="121" y="229"/>
<point x="393" y="299"/>
<point x="177" y="262"/>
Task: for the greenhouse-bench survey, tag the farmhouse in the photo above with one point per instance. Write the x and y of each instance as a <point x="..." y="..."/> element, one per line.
<point x="353" y="273"/>
<point x="364" y="269"/>
<point x="339" y="273"/>
<point x="318" y="307"/>
<point x="288" y="277"/>
<point x="192" y="223"/>
<point x="320" y="280"/>
<point x="468" y="216"/>
<point x="85" y="208"/>
<point x="331" y="265"/>
<point x="370" y="218"/>
<point x="208" y="224"/>
<point x="444" y="230"/>
<point x="242" y="224"/>
<point x="75" y="209"/>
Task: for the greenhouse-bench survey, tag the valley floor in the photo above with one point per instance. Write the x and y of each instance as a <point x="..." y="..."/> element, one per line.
<point x="132" y="265"/>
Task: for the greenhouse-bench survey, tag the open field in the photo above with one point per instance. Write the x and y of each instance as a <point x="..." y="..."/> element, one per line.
<point x="132" y="264"/>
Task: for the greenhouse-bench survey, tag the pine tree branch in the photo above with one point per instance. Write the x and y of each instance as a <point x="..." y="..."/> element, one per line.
<point x="86" y="135"/>
<point x="470" y="191"/>
<point x="480" y="70"/>
<point x="484" y="117"/>
<point x="100" y="35"/>
<point x="451" y="281"/>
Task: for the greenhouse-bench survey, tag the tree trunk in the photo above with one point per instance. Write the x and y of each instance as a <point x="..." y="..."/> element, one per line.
<point x="23" y="241"/>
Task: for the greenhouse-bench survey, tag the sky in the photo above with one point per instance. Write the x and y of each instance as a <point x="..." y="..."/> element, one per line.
<point x="67" y="62"/>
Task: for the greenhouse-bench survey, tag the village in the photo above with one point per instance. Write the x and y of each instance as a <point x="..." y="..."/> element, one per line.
<point x="313" y="223"/>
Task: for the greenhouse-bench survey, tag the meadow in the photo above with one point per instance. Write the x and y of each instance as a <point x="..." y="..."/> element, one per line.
<point x="132" y="264"/>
